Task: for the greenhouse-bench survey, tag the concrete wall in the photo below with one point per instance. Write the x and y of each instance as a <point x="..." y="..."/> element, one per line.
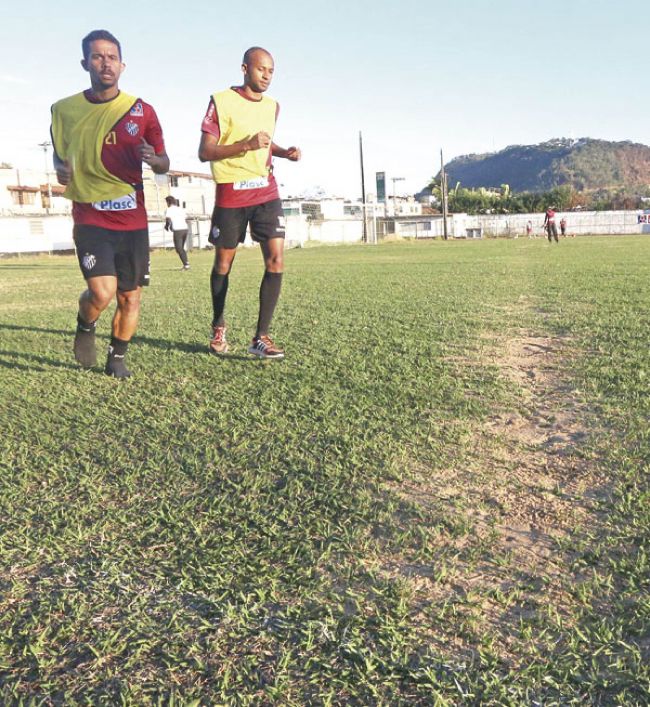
<point x="22" y="234"/>
<point x="578" y="223"/>
<point x="54" y="233"/>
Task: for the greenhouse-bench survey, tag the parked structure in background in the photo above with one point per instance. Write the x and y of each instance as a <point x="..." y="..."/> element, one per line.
<point x="25" y="226"/>
<point x="27" y="192"/>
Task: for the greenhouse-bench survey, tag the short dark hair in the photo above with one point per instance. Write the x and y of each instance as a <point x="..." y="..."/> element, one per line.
<point x="94" y="36"/>
<point x="170" y="200"/>
<point x="248" y="54"/>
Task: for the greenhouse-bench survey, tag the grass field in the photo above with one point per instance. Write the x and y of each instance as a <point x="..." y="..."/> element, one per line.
<point x="440" y="497"/>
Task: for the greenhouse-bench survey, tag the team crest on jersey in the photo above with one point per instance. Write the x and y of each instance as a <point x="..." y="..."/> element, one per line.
<point x="137" y="110"/>
<point x="89" y="261"/>
<point x="132" y="128"/>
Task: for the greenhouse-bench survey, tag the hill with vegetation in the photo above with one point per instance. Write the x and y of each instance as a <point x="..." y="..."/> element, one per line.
<point x="583" y="165"/>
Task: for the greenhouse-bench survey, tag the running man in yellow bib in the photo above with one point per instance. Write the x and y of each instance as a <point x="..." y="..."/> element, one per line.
<point x="237" y="139"/>
<point x="101" y="138"/>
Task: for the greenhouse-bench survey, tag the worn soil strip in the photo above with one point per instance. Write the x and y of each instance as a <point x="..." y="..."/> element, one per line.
<point x="525" y="483"/>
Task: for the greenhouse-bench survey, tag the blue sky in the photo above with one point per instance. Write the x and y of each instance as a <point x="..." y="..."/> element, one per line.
<point x="414" y="77"/>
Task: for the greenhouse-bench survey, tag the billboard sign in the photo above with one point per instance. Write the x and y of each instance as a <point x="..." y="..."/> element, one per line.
<point x="381" y="187"/>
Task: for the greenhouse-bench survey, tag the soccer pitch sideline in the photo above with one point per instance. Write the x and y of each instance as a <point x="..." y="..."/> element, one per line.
<point x="440" y="497"/>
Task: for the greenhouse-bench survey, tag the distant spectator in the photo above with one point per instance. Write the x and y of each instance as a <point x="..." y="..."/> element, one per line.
<point x="529" y="229"/>
<point x="563" y="227"/>
<point x="549" y="225"/>
<point x="176" y="222"/>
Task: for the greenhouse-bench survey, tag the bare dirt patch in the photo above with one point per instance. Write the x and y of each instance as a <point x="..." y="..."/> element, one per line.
<point x="506" y="511"/>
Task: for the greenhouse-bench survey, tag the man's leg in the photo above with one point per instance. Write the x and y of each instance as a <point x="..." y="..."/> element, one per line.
<point x="273" y="252"/>
<point x="227" y="231"/>
<point x="125" y="323"/>
<point x="132" y="267"/>
<point x="179" y="245"/>
<point x="267" y="227"/>
<point x="223" y="259"/>
<point x="92" y="302"/>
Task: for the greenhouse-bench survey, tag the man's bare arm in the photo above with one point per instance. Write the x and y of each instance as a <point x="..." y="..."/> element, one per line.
<point x="290" y="153"/>
<point x="211" y="151"/>
<point x="63" y="170"/>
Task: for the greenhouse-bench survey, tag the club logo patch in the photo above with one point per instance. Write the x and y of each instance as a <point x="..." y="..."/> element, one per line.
<point x="137" y="110"/>
<point x="132" y="128"/>
<point x="89" y="261"/>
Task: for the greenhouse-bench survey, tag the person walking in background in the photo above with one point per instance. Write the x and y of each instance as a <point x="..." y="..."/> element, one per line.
<point x="529" y="229"/>
<point x="237" y="139"/>
<point x="549" y="224"/>
<point x="563" y="227"/>
<point x="176" y="222"/>
<point x="101" y="137"/>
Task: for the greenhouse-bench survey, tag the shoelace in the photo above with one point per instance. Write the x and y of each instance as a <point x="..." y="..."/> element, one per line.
<point x="267" y="343"/>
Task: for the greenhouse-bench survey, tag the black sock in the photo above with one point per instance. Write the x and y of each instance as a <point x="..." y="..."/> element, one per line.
<point x="115" y="366"/>
<point x="269" y="294"/>
<point x="219" y="289"/>
<point x="84" y="326"/>
<point x="117" y="348"/>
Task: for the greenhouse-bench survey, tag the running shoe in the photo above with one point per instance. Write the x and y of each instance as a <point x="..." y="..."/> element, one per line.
<point x="116" y="368"/>
<point x="218" y="344"/>
<point x="263" y="347"/>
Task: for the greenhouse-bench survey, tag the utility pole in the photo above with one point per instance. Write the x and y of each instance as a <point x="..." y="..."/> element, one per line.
<point x="443" y="196"/>
<point x="45" y="145"/>
<point x="364" y="237"/>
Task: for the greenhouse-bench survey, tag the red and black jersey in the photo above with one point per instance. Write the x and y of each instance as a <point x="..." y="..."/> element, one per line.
<point x="226" y="195"/>
<point x="120" y="156"/>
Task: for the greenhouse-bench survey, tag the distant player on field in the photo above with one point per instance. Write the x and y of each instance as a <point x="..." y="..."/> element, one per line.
<point x="176" y="222"/>
<point x="101" y="138"/>
<point x="549" y="224"/>
<point x="237" y="139"/>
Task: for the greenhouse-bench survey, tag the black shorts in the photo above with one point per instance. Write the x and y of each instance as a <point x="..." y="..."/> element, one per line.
<point x="228" y="227"/>
<point x="122" y="254"/>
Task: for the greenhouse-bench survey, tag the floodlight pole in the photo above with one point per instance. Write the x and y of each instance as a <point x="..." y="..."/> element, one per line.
<point x="364" y="237"/>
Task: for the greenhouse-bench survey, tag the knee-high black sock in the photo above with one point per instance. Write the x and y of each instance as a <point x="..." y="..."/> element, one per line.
<point x="219" y="288"/>
<point x="269" y="294"/>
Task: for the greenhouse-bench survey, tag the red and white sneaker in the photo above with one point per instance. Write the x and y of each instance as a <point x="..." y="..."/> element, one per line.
<point x="218" y="344"/>
<point x="263" y="347"/>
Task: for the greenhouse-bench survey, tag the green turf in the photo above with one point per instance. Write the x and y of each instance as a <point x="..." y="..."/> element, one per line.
<point x="220" y="531"/>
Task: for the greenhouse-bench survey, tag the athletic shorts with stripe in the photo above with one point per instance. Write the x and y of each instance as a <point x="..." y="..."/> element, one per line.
<point x="228" y="227"/>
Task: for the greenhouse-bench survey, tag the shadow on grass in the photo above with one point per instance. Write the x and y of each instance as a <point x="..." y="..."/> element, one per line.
<point x="162" y="344"/>
<point x="31" y="266"/>
<point x="156" y="343"/>
<point x="8" y="362"/>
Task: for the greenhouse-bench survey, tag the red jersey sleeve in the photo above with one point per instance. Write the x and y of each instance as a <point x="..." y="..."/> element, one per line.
<point x="210" y="122"/>
<point x="153" y="133"/>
